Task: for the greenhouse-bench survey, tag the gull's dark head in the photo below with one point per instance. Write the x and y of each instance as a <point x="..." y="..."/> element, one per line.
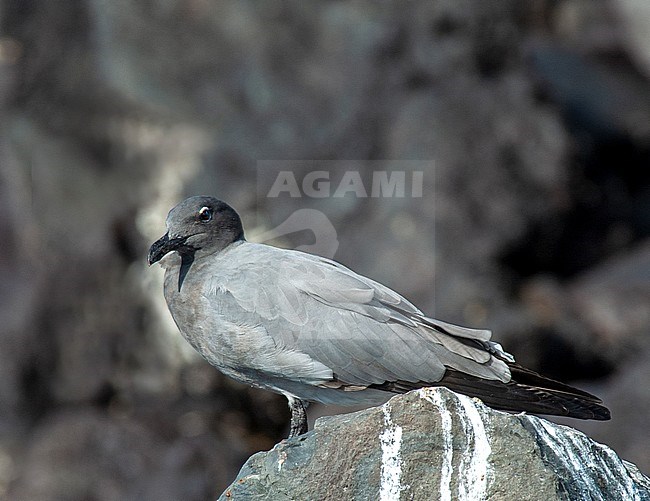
<point x="198" y="225"/>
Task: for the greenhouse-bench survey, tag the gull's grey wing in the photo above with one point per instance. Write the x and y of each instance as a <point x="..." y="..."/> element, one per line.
<point x="364" y="332"/>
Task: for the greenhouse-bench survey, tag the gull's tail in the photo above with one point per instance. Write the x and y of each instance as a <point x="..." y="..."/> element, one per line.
<point x="527" y="391"/>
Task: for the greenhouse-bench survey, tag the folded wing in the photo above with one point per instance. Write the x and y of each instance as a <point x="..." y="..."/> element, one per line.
<point x="364" y="332"/>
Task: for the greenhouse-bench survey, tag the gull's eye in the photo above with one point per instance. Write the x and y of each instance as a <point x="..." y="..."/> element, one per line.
<point x="205" y="214"/>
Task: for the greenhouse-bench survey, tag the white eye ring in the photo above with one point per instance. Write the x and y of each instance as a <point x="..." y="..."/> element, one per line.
<point x="205" y="214"/>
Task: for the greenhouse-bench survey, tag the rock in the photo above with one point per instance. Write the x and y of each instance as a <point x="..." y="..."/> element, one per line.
<point x="634" y="15"/>
<point x="436" y="444"/>
<point x="126" y="454"/>
<point x="612" y="299"/>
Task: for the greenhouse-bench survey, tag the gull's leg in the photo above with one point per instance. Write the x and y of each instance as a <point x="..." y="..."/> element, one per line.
<point x="298" y="417"/>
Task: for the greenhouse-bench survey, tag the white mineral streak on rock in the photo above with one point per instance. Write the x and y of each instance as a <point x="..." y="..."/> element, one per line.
<point x="282" y="457"/>
<point x="590" y="463"/>
<point x="625" y="482"/>
<point x="447" y="467"/>
<point x="473" y="469"/>
<point x="391" y="461"/>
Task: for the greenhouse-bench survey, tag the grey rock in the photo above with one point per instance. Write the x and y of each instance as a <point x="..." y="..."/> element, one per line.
<point x="435" y="444"/>
<point x="86" y="454"/>
<point x="612" y="299"/>
<point x="634" y="15"/>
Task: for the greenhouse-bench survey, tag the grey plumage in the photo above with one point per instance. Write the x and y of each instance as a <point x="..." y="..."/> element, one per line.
<point x="313" y="330"/>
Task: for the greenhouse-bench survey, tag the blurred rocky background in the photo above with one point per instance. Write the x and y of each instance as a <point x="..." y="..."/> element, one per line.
<point x="534" y="220"/>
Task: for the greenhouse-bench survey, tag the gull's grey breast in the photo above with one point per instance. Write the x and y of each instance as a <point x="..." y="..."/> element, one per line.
<point x="235" y="339"/>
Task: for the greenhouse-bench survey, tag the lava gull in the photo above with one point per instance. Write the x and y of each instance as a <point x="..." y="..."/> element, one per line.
<point x="315" y="331"/>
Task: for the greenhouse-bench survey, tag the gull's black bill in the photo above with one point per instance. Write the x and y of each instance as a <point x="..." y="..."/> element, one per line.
<point x="163" y="246"/>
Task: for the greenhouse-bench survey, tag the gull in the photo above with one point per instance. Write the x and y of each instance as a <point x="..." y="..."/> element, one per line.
<point x="313" y="330"/>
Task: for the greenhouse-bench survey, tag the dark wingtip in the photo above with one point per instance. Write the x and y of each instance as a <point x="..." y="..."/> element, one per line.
<point x="602" y="414"/>
<point x="538" y="394"/>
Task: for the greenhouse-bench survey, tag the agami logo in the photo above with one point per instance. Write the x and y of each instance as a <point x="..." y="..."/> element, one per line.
<point x="317" y="184"/>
